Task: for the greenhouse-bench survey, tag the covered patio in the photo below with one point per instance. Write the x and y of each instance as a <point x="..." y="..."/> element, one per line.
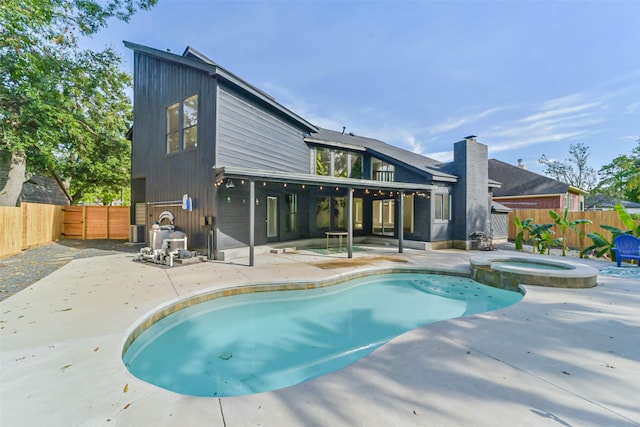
<point x="230" y="177"/>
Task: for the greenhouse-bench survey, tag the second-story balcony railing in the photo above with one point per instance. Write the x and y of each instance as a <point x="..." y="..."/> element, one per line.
<point x="386" y="176"/>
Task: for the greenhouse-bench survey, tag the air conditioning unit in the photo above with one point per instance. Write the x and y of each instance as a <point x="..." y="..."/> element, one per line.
<point x="136" y="233"/>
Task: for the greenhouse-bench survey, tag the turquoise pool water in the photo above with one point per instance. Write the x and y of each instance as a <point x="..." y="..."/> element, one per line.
<point x="531" y="265"/>
<point x="257" y="342"/>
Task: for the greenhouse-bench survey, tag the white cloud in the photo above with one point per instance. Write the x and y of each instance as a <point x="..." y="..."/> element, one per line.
<point x="455" y="123"/>
<point x="547" y="114"/>
<point x="632" y="108"/>
<point x="528" y="140"/>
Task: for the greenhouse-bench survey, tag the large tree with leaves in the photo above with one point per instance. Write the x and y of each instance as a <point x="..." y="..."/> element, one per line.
<point x="575" y="170"/>
<point x="620" y="179"/>
<point x="63" y="110"/>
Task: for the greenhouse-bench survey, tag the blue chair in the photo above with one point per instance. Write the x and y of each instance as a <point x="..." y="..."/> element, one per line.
<point x="626" y="246"/>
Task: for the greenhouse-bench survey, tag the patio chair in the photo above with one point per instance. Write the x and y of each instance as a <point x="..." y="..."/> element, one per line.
<point x="626" y="246"/>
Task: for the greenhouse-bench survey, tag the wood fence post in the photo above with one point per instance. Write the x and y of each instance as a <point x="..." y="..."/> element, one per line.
<point x="84" y="223"/>
<point x="25" y="222"/>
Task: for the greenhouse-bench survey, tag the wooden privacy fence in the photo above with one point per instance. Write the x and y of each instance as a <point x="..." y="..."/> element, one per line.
<point x="30" y="225"/>
<point x="541" y="216"/>
<point x="34" y="224"/>
<point x="96" y="222"/>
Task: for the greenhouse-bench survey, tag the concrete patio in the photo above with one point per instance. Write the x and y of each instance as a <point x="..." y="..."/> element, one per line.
<point x="560" y="357"/>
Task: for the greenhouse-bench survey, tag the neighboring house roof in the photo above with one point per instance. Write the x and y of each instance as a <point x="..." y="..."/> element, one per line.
<point x="348" y="140"/>
<point x="42" y="189"/>
<point x="517" y="181"/>
<point x="601" y="202"/>
<point x="194" y="59"/>
<point x="499" y="208"/>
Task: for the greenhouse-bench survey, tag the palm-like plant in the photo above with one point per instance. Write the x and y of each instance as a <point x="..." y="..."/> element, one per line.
<point x="524" y="225"/>
<point x="563" y="223"/>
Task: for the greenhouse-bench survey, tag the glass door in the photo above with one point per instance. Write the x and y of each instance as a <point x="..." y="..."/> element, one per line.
<point x="272" y="217"/>
<point x="384" y="217"/>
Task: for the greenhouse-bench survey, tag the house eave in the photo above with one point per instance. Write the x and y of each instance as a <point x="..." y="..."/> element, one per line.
<point x="528" y="196"/>
<point x="222" y="173"/>
<point x="326" y="143"/>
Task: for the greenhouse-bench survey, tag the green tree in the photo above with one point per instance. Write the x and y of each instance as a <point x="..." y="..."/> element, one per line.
<point x="620" y="179"/>
<point x="575" y="170"/>
<point x="63" y="110"/>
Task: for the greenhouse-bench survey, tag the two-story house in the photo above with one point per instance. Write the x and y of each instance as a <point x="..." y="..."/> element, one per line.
<point x="257" y="173"/>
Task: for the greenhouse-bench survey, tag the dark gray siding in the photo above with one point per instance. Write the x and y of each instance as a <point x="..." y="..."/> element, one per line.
<point x="250" y="137"/>
<point x="421" y="219"/>
<point x="157" y="84"/>
<point x="233" y="214"/>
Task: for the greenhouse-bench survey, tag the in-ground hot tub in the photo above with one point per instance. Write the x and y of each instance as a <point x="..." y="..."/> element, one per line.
<point x="508" y="272"/>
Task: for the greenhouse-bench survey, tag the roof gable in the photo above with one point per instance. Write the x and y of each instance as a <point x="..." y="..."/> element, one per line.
<point x="42" y="189"/>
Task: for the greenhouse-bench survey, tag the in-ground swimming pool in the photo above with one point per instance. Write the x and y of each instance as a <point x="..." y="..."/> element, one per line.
<point x="255" y="342"/>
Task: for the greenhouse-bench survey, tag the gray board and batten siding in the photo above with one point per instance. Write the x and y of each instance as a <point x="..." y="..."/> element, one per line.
<point x="234" y="129"/>
<point x="158" y="84"/>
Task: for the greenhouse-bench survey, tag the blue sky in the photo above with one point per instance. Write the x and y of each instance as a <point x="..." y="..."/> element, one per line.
<point x="528" y="78"/>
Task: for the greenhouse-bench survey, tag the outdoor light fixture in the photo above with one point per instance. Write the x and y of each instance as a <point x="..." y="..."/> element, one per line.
<point x="230" y="184"/>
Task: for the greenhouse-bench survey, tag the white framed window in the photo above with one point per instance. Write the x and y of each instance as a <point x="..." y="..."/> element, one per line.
<point x="182" y="125"/>
<point x="291" y="223"/>
<point x="408" y="216"/>
<point x="338" y="163"/>
<point x="442" y="206"/>
<point x="382" y="171"/>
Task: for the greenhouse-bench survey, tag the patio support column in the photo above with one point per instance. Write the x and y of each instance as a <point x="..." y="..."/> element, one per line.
<point x="252" y="219"/>
<point x="400" y="221"/>
<point x="350" y="222"/>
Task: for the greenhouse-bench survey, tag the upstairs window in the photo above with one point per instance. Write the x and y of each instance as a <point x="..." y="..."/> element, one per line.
<point x="182" y="125"/>
<point x="382" y="171"/>
<point x="338" y="163"/>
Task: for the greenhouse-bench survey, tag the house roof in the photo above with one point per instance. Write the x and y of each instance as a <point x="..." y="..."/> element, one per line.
<point x="418" y="162"/>
<point x="517" y="181"/>
<point x="42" y="189"/>
<point x="603" y="202"/>
<point x="497" y="207"/>
<point x="194" y="59"/>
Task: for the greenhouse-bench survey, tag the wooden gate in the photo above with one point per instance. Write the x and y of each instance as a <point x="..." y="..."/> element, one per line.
<point x="96" y="222"/>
